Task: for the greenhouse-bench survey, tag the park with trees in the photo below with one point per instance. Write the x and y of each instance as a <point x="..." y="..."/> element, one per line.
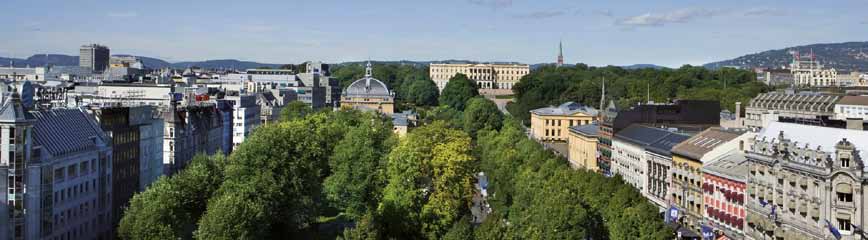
<point x="345" y="175"/>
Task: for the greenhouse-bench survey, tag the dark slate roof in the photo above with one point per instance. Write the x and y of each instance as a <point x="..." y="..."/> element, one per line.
<point x="664" y="145"/>
<point x="588" y="130"/>
<point x="63" y="131"/>
<point x="656" y="140"/>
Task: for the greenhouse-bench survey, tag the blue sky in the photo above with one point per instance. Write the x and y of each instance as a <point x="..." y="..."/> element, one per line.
<point x="616" y="32"/>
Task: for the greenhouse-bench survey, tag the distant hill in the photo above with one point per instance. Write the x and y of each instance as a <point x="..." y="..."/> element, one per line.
<point x="40" y="60"/>
<point x="225" y="64"/>
<point x="643" y="66"/>
<point x="848" y="56"/>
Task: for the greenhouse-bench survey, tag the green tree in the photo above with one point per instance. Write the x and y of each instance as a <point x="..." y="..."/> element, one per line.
<point x="429" y="183"/>
<point x="356" y="180"/>
<point x="422" y="92"/>
<point x="481" y="114"/>
<point x="458" y="90"/>
<point x="294" y="110"/>
<point x="171" y="207"/>
<point x="274" y="180"/>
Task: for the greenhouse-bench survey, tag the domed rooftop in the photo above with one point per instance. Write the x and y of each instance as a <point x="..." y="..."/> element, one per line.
<point x="368" y="86"/>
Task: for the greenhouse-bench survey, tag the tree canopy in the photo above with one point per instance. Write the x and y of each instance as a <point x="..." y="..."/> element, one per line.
<point x="552" y="86"/>
<point x="481" y="114"/>
<point x="458" y="91"/>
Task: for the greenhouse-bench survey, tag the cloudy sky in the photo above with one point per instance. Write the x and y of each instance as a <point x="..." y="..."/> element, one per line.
<point x="597" y="32"/>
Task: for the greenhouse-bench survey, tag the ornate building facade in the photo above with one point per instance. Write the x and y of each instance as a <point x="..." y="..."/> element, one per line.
<point x="804" y="178"/>
<point x="486" y="76"/>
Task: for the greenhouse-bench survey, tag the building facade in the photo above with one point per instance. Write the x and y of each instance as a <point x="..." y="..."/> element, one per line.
<point x="724" y="185"/>
<point x="688" y="158"/>
<point x="852" y="107"/>
<point x="807" y="71"/>
<point x="486" y="76"/>
<point x="94" y="57"/>
<point x="804" y="178"/>
<point x="55" y="174"/>
<point x="658" y="162"/>
<point x="246" y="117"/>
<point x="553" y="123"/>
<point x="582" y="143"/>
<point x="369" y="94"/>
<point x="631" y="152"/>
<point x="807" y="108"/>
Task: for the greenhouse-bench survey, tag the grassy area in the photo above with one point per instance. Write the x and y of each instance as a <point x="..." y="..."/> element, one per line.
<point x="504" y="96"/>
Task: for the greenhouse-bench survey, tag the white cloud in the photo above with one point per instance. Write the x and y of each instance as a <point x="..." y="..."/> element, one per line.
<point x="764" y="12"/>
<point x="541" y="14"/>
<point x="492" y="3"/>
<point x="124" y="14"/>
<point x="659" y="19"/>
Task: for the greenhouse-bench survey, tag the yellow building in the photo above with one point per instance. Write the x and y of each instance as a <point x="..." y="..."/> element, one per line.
<point x="369" y="94"/>
<point x="487" y="76"/>
<point x="582" y="142"/>
<point x="687" y="160"/>
<point x="553" y="123"/>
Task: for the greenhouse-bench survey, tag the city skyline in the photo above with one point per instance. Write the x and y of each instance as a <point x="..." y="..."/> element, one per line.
<point x="668" y="33"/>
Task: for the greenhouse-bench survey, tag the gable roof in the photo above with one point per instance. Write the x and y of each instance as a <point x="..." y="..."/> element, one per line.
<point x="63" y="131"/>
<point x="697" y="146"/>
<point x="656" y="140"/>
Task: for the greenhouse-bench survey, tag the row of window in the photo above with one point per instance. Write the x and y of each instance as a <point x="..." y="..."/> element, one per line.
<point x="74" y="170"/>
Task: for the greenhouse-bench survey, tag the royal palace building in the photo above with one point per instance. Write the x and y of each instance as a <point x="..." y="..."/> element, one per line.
<point x="486" y="76"/>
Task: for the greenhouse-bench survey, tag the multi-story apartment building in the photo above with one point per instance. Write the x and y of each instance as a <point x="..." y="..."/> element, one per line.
<point x="658" y="162"/>
<point x="803" y="179"/>
<point x="582" y="143"/>
<point x="246" y="117"/>
<point x="686" y="115"/>
<point x="189" y="130"/>
<point x="631" y="150"/>
<point x="55" y="174"/>
<point x="724" y="184"/>
<point x="805" y="107"/>
<point x="130" y="151"/>
<point x="486" y="76"/>
<point x="688" y="158"/>
<point x="94" y="57"/>
<point x="553" y="123"/>
<point x="370" y="94"/>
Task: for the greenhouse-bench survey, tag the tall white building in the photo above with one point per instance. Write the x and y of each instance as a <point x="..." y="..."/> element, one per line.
<point x="246" y="117"/>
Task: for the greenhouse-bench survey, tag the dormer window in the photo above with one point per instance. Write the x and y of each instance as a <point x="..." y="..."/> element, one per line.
<point x="845" y="162"/>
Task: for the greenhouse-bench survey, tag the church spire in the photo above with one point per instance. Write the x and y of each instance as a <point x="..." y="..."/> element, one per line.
<point x="560" y="53"/>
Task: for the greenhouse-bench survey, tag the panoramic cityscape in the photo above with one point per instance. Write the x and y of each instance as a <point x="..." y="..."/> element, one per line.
<point x="460" y="119"/>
